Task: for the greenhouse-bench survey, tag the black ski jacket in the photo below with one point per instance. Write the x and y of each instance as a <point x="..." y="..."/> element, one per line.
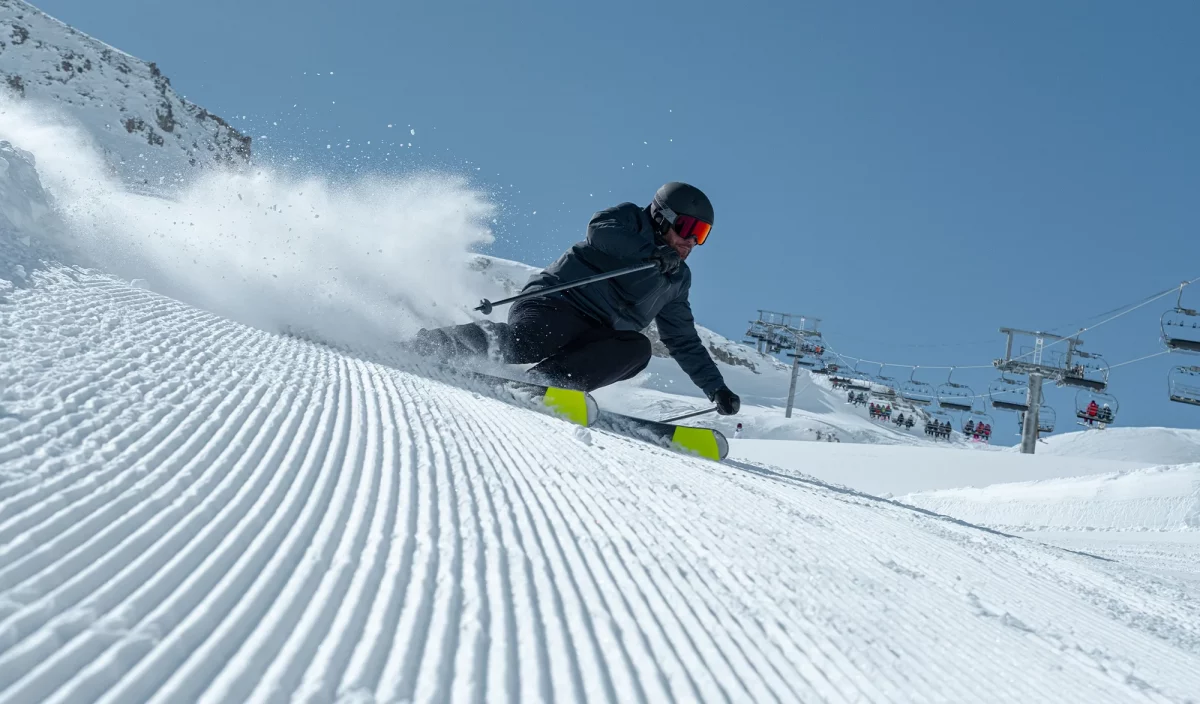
<point x="619" y="237"/>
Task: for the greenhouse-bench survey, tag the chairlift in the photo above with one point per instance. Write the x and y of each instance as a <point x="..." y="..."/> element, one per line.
<point x="1181" y="327"/>
<point x="1009" y="395"/>
<point x="916" y="392"/>
<point x="1088" y="371"/>
<point x="850" y="379"/>
<point x="887" y="394"/>
<point x="1046" y="419"/>
<point x="953" y="396"/>
<point x="1183" y="385"/>
<point x="888" y="381"/>
<point x="858" y="381"/>
<point x="1106" y="407"/>
<point x="976" y="417"/>
<point x="939" y="415"/>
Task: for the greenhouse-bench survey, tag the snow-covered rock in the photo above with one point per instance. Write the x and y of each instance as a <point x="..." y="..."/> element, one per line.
<point x="149" y="134"/>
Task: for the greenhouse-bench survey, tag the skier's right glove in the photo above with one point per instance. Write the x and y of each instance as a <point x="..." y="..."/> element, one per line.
<point x="728" y="403"/>
<point x="667" y="258"/>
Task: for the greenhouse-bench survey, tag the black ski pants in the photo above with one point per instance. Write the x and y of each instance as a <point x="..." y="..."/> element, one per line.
<point x="570" y="348"/>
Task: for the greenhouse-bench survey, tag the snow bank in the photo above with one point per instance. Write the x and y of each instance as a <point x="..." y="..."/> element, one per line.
<point x="1154" y="499"/>
<point x="889" y="471"/>
<point x="1150" y="445"/>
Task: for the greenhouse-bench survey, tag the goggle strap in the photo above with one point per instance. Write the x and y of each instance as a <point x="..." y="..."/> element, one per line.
<point x="668" y="214"/>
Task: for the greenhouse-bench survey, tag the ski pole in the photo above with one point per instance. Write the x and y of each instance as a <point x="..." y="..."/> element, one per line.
<point x="485" y="306"/>
<point x="688" y="415"/>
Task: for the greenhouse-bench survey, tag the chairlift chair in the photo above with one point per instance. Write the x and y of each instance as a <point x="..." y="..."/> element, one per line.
<point x="1084" y="398"/>
<point x="1046" y="419"/>
<point x="1183" y="385"/>
<point x="1009" y="395"/>
<point x="1181" y="327"/>
<point x="953" y="396"/>
<point x="916" y="392"/>
<point x="1089" y="371"/>
<point x="977" y="417"/>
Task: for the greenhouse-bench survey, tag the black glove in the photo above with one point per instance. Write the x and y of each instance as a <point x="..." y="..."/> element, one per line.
<point x="728" y="403"/>
<point x="667" y="258"/>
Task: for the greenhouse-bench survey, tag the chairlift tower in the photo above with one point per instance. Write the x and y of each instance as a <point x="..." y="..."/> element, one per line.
<point x="1035" y="365"/>
<point x="784" y="332"/>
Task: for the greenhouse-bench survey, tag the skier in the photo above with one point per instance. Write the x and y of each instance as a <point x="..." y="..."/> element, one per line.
<point x="737" y="433"/>
<point x="588" y="337"/>
<point x="969" y="427"/>
<point x="1092" y="410"/>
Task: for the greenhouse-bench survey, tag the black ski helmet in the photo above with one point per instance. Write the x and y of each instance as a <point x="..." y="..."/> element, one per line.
<point x="679" y="199"/>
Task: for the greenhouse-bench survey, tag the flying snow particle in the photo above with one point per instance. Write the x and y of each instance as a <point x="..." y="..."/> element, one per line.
<point x="413" y="132"/>
<point x="389" y="126"/>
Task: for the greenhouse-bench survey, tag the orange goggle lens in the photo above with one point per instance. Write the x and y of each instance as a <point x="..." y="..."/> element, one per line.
<point x="687" y="226"/>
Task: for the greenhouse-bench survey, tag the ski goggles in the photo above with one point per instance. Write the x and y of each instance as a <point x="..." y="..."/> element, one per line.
<point x="687" y="226"/>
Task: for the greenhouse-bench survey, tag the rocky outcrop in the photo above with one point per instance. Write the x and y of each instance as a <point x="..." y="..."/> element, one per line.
<point x="149" y="133"/>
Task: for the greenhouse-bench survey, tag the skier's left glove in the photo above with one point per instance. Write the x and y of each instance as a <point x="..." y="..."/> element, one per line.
<point x="728" y="403"/>
<point x="667" y="258"/>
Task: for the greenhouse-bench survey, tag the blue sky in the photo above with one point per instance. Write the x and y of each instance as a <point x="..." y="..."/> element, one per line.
<point x="915" y="174"/>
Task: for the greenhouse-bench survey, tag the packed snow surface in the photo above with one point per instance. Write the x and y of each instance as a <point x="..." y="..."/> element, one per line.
<point x="191" y="508"/>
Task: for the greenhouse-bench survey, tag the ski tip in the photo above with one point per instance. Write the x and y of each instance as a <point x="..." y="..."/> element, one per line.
<point x="722" y="445"/>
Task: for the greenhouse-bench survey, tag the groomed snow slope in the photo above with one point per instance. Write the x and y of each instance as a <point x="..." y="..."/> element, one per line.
<point x="193" y="509"/>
